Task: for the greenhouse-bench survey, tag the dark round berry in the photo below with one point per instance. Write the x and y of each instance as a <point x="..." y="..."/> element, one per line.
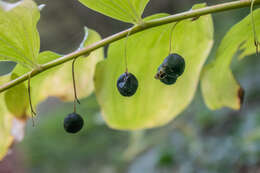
<point x="174" y="64"/>
<point x="168" y="80"/>
<point x="73" y="123"/>
<point x="127" y="84"/>
<point x="172" y="67"/>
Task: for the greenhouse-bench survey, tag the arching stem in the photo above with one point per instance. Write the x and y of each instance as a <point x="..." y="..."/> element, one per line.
<point x="171" y="33"/>
<point x="134" y="30"/>
<point x="33" y="113"/>
<point x="76" y="100"/>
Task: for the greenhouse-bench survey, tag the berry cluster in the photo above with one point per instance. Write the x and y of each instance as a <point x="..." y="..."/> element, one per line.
<point x="168" y="72"/>
<point x="172" y="67"/>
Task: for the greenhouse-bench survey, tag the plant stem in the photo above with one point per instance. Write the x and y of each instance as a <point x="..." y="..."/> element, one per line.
<point x="76" y="100"/>
<point x="135" y="29"/>
<point x="33" y="113"/>
<point x="171" y="33"/>
<point x="126" y="41"/>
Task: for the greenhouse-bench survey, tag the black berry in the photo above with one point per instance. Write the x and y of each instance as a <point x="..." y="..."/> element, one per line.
<point x="168" y="80"/>
<point x="127" y="84"/>
<point x="73" y="123"/>
<point x="172" y="67"/>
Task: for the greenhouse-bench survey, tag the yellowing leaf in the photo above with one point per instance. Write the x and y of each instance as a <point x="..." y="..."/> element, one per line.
<point x="16" y="98"/>
<point x="125" y="10"/>
<point x="6" y="138"/>
<point x="219" y="87"/>
<point x="154" y="104"/>
<point x="60" y="84"/>
<point x="19" y="38"/>
<point x="54" y="82"/>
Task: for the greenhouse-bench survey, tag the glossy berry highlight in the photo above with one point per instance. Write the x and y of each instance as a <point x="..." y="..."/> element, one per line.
<point x="73" y="123"/>
<point x="172" y="67"/>
<point x="127" y="84"/>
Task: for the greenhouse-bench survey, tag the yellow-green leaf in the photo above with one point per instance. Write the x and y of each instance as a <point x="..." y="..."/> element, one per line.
<point x="154" y="104"/>
<point x="16" y="98"/>
<point x="60" y="84"/>
<point x="54" y="82"/>
<point x="125" y="10"/>
<point x="6" y="138"/>
<point x="19" y="38"/>
<point x="219" y="87"/>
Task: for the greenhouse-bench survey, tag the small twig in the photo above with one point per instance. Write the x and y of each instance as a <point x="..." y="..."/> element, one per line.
<point x="33" y="113"/>
<point x="76" y="100"/>
<point x="171" y="33"/>
<point x="126" y="41"/>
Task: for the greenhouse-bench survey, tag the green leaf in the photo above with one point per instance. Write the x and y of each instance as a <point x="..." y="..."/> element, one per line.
<point x="6" y="138"/>
<point x="154" y="104"/>
<point x="129" y="11"/>
<point x="16" y="98"/>
<point x="19" y="38"/>
<point x="60" y="84"/>
<point x="219" y="87"/>
<point x="54" y="82"/>
<point x="5" y="129"/>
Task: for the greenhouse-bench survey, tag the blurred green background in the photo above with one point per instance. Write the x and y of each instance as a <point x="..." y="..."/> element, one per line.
<point x="198" y="141"/>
